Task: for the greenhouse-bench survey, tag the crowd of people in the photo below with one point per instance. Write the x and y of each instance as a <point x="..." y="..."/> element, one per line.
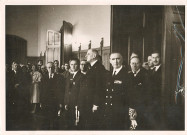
<point x="83" y="95"/>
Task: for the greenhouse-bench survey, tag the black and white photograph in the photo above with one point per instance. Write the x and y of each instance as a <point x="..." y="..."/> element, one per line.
<point x="94" y="67"/>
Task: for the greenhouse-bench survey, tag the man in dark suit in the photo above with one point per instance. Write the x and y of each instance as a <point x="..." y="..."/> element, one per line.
<point x="115" y="105"/>
<point x="14" y="97"/>
<point x="138" y="91"/>
<point x="57" y="69"/>
<point x="155" y="91"/>
<point x="91" y="103"/>
<point x="52" y="96"/>
<point x="71" y="94"/>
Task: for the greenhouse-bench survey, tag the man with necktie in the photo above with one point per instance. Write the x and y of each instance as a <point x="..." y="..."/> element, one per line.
<point x="71" y="94"/>
<point x="92" y="88"/>
<point x="52" y="96"/>
<point x="14" y="97"/>
<point x="116" y="96"/>
<point x="156" y="86"/>
<point x="138" y="91"/>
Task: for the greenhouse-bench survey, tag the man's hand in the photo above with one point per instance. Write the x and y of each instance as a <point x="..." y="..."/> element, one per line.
<point x="66" y="107"/>
<point x="94" y="108"/>
<point x="16" y="85"/>
<point x="133" y="124"/>
<point x="132" y="114"/>
<point x="60" y="106"/>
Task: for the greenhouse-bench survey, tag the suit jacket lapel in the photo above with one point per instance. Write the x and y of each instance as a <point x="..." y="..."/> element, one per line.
<point x="76" y="76"/>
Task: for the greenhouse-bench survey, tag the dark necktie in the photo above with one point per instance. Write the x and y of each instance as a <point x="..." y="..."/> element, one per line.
<point x="134" y="73"/>
<point x="154" y="70"/>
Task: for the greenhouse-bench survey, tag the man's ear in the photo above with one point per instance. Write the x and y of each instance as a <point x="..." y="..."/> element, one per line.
<point x="94" y="55"/>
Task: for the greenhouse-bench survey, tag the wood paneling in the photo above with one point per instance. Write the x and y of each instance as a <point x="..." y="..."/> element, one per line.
<point x="16" y="49"/>
<point x="136" y="28"/>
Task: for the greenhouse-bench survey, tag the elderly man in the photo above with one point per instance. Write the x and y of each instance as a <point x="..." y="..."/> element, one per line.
<point x="92" y="92"/>
<point x="52" y="96"/>
<point x="115" y="106"/>
<point x="138" y="91"/>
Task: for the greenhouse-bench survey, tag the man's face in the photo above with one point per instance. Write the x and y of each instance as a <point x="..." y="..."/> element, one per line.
<point x="50" y="68"/>
<point x="66" y="66"/>
<point x="156" y="59"/>
<point x="90" y="56"/>
<point x="116" y="60"/>
<point x="43" y="68"/>
<point x="15" y="66"/>
<point x="56" y="64"/>
<point x="134" y="55"/>
<point x="33" y="68"/>
<point x="40" y="63"/>
<point x="73" y="66"/>
<point x="62" y="67"/>
<point x="135" y="64"/>
<point x="83" y="66"/>
<point x="150" y="61"/>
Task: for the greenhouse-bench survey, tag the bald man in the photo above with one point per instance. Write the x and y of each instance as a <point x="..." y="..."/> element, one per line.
<point x="52" y="96"/>
<point x="116" y="103"/>
<point x="93" y="90"/>
<point x="138" y="91"/>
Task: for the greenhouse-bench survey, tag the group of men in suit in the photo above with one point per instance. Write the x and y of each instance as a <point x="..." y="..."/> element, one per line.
<point x="96" y="99"/>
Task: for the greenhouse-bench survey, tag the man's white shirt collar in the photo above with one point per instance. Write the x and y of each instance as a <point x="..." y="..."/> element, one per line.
<point x="92" y="63"/>
<point x="51" y="75"/>
<point x="74" y="73"/>
<point x="83" y="72"/>
<point x="117" y="70"/>
<point x="157" y="67"/>
<point x="136" y="72"/>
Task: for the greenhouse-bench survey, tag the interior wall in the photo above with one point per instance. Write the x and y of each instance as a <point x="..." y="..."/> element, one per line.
<point x="22" y="21"/>
<point x="89" y="23"/>
<point x="32" y="22"/>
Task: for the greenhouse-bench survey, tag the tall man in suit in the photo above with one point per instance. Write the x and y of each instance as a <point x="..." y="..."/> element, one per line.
<point x="14" y="97"/>
<point x="116" y="103"/>
<point x="138" y="91"/>
<point x="52" y="96"/>
<point x="156" y="83"/>
<point x="91" y="103"/>
<point x="71" y="94"/>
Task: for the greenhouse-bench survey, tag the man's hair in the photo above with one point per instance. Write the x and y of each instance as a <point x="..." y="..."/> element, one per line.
<point x="83" y="60"/>
<point x="14" y="62"/>
<point x="75" y="59"/>
<point x="50" y="62"/>
<point x="155" y="51"/>
<point x="36" y="67"/>
<point x="135" y="57"/>
<point x="95" y="52"/>
<point x="56" y="61"/>
<point x="116" y="53"/>
<point x="40" y="61"/>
